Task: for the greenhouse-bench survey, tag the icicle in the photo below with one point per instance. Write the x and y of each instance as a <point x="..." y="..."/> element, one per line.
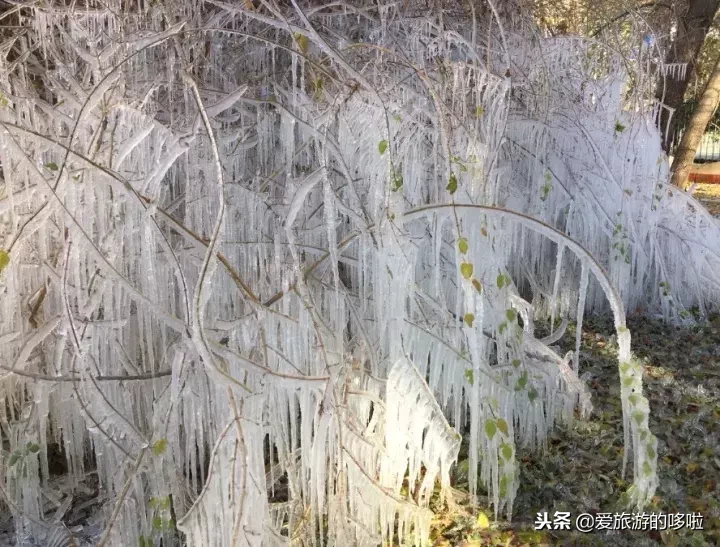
<point x="556" y="285"/>
<point x="582" y="293"/>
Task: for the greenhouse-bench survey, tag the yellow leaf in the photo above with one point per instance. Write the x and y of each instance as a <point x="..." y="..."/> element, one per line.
<point x="483" y="521"/>
<point x="4" y="259"/>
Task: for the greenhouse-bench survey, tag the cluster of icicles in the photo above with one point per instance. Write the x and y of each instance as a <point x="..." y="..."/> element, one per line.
<point x="260" y="270"/>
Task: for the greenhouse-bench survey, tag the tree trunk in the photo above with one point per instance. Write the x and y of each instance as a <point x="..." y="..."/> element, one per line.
<point x="695" y="129"/>
<point x="692" y="27"/>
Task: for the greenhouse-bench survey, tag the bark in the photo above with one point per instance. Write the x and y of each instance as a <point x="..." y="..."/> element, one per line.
<point x="685" y="154"/>
<point x="692" y="27"/>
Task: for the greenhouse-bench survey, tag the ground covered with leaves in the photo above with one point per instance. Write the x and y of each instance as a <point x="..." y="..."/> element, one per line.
<point x="709" y="194"/>
<point x="580" y="471"/>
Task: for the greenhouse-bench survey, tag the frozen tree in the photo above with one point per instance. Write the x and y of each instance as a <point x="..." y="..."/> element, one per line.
<point x="263" y="262"/>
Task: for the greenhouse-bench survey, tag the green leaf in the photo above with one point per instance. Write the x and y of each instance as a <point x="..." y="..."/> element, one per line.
<point x="647" y="468"/>
<point x="506" y="451"/>
<point x="144" y="542"/>
<point x="160" y="503"/>
<point x="634" y="399"/>
<point x="303" y="42"/>
<point x="477" y="285"/>
<point x="452" y="184"/>
<point x="397" y="182"/>
<point x="502" y="327"/>
<point x="516" y="363"/>
<point x="318" y="84"/>
<point x="501" y="281"/>
<point x="503" y="486"/>
<point x="160" y="446"/>
<point x="157" y="523"/>
<point x="479" y="111"/>
<point x="470" y="376"/>
<point x="382" y="146"/>
<point x="483" y="521"/>
<point x="51" y="166"/>
<point x="466" y="269"/>
<point x="490" y="428"/>
<point x="4" y="259"/>
<point x="638" y="416"/>
<point x="619" y="127"/>
<point x="522" y="381"/>
<point x="463" y="245"/>
<point x="13" y="459"/>
<point x="545" y="191"/>
<point x="34" y="448"/>
<point x="532" y="394"/>
<point x="469" y="318"/>
<point x="510" y="313"/>
<point x="502" y="426"/>
<point x="650" y="452"/>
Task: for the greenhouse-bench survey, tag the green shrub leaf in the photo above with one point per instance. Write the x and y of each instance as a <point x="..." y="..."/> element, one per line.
<point x="463" y="245"/>
<point x="4" y="260"/>
<point x="490" y="428"/>
<point x="452" y="184"/>
<point x="470" y="376"/>
<point x="160" y="446"/>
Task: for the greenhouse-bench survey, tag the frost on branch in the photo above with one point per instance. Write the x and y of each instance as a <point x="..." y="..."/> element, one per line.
<point x="258" y="268"/>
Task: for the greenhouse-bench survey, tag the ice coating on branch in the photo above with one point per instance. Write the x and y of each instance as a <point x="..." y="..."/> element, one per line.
<point x="416" y="434"/>
<point x="396" y="215"/>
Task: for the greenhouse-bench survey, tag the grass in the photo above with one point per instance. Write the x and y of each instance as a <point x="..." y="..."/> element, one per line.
<point x="581" y="470"/>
